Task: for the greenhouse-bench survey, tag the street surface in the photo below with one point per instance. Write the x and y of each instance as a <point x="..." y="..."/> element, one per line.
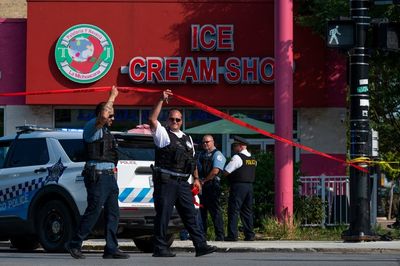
<point x="9" y="257"/>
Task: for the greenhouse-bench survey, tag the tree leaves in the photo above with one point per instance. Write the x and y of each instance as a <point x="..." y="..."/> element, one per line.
<point x="384" y="75"/>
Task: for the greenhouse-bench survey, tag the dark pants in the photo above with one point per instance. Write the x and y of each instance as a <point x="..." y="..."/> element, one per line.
<point x="210" y="201"/>
<point x="166" y="194"/>
<point x="102" y="193"/>
<point x="240" y="201"/>
<point x="184" y="234"/>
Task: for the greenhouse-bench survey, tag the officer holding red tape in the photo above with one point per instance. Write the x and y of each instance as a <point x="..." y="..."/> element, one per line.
<point x="174" y="164"/>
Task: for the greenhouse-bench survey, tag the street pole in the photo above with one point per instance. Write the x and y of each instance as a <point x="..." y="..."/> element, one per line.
<point x="283" y="112"/>
<point x="360" y="226"/>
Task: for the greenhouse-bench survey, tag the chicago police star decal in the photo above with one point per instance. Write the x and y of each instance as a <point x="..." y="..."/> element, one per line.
<point x="55" y="172"/>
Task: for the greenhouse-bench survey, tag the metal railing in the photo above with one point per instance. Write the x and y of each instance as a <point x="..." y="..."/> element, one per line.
<point x="334" y="192"/>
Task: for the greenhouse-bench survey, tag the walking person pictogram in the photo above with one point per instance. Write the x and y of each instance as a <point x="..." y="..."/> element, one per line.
<point x="333" y="33"/>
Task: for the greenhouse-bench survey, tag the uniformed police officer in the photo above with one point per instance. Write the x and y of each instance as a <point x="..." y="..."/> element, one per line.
<point x="210" y="164"/>
<point x="174" y="164"/>
<point x="241" y="175"/>
<point x="100" y="182"/>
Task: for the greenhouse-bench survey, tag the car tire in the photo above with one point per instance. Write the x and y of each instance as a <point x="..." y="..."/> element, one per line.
<point x="54" y="226"/>
<point x="146" y="244"/>
<point x="24" y="243"/>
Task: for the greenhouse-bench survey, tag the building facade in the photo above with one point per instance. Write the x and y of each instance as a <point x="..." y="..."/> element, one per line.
<point x="218" y="53"/>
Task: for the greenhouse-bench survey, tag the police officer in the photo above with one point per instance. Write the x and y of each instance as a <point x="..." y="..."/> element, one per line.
<point x="100" y="182"/>
<point x="211" y="163"/>
<point x="174" y="164"/>
<point x="241" y="175"/>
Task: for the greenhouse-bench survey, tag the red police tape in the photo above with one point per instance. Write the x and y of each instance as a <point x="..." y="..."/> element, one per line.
<point x="198" y="105"/>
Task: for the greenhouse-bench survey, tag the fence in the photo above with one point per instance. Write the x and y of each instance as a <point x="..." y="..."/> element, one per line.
<point x="334" y="192"/>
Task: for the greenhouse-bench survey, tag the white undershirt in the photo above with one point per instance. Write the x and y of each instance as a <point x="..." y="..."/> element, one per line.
<point x="161" y="137"/>
<point x="236" y="162"/>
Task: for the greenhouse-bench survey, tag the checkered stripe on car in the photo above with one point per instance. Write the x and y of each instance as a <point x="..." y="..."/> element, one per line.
<point x="17" y="190"/>
<point x="136" y="195"/>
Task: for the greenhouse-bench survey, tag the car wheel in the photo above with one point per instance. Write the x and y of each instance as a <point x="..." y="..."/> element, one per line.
<point x="54" y="226"/>
<point x="24" y="243"/>
<point x="146" y="244"/>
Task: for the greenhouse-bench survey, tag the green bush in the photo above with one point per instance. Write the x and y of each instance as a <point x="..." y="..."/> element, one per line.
<point x="309" y="209"/>
<point x="264" y="190"/>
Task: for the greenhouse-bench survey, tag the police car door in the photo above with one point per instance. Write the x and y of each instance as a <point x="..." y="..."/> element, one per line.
<point x="136" y="154"/>
<point x="23" y="172"/>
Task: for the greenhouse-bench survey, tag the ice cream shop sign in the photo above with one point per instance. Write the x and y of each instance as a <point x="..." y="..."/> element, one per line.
<point x="203" y="70"/>
<point x="84" y="53"/>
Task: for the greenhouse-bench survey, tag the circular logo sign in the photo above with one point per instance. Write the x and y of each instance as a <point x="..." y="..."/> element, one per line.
<point x="84" y="53"/>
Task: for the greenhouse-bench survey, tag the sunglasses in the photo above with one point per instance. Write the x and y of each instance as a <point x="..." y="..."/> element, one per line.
<point x="111" y="116"/>
<point x="207" y="141"/>
<point x="173" y="119"/>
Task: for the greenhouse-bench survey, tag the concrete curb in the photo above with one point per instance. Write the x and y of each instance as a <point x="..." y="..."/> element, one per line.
<point x="270" y="246"/>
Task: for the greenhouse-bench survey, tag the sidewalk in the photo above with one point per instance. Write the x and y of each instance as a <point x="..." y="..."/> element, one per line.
<point x="270" y="246"/>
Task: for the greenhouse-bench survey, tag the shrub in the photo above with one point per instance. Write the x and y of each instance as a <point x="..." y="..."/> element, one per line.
<point x="309" y="209"/>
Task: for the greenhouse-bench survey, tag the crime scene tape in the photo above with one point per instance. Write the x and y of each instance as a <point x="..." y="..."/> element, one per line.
<point x="199" y="105"/>
<point x="384" y="163"/>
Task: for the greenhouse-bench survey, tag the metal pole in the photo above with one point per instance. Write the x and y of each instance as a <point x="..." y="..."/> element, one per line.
<point x="283" y="113"/>
<point x="360" y="227"/>
<point x="374" y="206"/>
<point x="323" y="188"/>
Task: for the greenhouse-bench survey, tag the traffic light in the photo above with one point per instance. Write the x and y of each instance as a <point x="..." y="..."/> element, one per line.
<point x="386" y="36"/>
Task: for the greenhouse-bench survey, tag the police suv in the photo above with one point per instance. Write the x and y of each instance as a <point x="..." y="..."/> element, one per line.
<point x="42" y="193"/>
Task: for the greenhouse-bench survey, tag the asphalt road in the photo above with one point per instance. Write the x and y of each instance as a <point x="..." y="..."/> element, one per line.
<point x="8" y="257"/>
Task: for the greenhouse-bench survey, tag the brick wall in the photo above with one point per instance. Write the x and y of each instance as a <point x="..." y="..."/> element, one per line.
<point x="13" y="9"/>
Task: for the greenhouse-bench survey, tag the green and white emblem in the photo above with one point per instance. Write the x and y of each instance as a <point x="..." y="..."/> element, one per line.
<point x="84" y="53"/>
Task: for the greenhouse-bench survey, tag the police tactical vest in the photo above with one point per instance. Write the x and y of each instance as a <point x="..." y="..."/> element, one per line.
<point x="104" y="149"/>
<point x="206" y="162"/>
<point x="177" y="156"/>
<point x="247" y="172"/>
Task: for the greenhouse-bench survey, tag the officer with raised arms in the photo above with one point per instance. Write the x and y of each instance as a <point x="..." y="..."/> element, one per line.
<point x="241" y="176"/>
<point x="100" y="182"/>
<point x="174" y="164"/>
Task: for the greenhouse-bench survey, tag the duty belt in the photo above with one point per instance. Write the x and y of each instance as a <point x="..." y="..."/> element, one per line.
<point x="166" y="171"/>
<point x="171" y="174"/>
<point x="177" y="178"/>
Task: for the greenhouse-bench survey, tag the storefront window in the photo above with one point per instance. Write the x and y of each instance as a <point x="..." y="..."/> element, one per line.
<point x="72" y="118"/>
<point x="76" y="118"/>
<point x="195" y="117"/>
<point x="162" y="117"/>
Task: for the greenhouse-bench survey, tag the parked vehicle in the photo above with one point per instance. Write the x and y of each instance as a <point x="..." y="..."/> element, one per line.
<point x="42" y="193"/>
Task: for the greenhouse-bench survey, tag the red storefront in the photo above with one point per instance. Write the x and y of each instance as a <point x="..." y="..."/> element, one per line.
<point x="219" y="53"/>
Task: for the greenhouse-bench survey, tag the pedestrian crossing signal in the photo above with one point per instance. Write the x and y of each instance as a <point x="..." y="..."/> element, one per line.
<point x="386" y="36"/>
<point x="340" y="34"/>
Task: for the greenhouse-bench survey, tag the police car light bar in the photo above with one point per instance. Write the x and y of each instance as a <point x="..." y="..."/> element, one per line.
<point x="26" y="128"/>
<point x="70" y="129"/>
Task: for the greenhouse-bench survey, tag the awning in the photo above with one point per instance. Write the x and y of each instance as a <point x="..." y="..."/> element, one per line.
<point x="223" y="126"/>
